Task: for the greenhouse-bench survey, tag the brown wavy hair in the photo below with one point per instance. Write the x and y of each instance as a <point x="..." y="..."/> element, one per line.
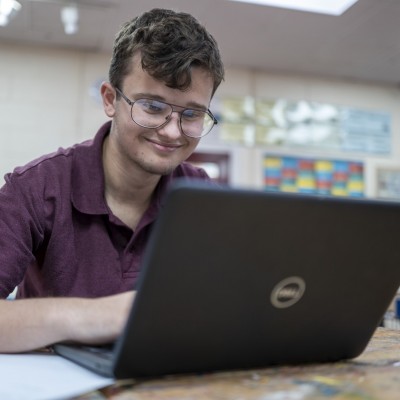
<point x="170" y="43"/>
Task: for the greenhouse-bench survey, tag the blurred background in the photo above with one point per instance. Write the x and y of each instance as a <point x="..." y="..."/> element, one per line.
<point x="310" y="102"/>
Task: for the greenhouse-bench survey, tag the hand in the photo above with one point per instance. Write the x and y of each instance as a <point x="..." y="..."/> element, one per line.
<point x="103" y="319"/>
<point x="33" y="323"/>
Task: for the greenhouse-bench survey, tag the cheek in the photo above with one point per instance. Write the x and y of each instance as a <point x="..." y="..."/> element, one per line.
<point x="125" y="135"/>
<point x="192" y="146"/>
<point x="127" y="129"/>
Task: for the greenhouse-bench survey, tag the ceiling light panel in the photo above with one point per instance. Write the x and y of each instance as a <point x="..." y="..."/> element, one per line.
<point x="331" y="7"/>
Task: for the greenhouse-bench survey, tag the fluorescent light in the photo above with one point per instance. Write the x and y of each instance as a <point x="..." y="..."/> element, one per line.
<point x="8" y="9"/>
<point x="70" y="18"/>
<point x="333" y="7"/>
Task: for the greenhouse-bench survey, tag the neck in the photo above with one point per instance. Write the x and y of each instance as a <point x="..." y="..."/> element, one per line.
<point x="128" y="190"/>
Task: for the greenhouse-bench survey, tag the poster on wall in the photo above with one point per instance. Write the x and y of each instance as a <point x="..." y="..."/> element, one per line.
<point x="237" y="116"/>
<point x="315" y="176"/>
<point x="388" y="183"/>
<point x="282" y="122"/>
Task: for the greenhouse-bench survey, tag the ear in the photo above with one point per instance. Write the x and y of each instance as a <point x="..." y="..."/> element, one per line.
<point x="108" y="95"/>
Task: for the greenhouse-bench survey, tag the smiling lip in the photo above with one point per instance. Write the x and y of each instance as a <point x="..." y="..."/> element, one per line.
<point x="165" y="147"/>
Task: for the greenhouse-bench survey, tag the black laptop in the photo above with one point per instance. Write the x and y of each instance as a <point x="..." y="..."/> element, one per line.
<point x="239" y="279"/>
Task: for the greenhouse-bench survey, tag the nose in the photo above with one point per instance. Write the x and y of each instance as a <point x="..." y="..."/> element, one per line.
<point x="172" y="127"/>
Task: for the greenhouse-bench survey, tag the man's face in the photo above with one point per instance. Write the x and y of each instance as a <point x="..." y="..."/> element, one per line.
<point x="159" y="150"/>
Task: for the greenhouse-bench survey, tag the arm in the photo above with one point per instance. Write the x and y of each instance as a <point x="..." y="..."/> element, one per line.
<point x="34" y="323"/>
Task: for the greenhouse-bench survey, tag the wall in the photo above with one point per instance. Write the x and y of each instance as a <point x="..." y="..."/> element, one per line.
<point x="360" y="95"/>
<point x="47" y="100"/>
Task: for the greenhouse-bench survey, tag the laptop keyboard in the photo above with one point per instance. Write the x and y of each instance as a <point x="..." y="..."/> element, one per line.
<point x="105" y="351"/>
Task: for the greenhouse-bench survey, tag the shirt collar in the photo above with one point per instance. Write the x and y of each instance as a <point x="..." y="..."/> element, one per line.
<point x="88" y="177"/>
<point x="88" y="174"/>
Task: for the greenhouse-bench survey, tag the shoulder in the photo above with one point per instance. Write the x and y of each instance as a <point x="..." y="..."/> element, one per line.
<point x="84" y="154"/>
<point x="48" y="171"/>
<point x="51" y="165"/>
<point x="60" y="157"/>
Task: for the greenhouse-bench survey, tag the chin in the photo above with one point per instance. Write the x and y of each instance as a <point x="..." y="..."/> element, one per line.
<point x="164" y="169"/>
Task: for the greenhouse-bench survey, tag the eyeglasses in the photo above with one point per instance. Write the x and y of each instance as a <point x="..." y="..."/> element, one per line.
<point x="150" y="113"/>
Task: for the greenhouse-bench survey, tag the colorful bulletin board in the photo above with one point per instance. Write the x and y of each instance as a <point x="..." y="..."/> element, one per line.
<point x="319" y="176"/>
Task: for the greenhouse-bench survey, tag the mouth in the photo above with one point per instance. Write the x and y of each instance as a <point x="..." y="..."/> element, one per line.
<point x="164" y="147"/>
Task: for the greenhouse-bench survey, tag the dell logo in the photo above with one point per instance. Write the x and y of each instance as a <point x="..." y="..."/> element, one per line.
<point x="288" y="292"/>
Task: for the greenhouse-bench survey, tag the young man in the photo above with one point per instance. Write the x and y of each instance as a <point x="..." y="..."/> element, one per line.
<point x="74" y="224"/>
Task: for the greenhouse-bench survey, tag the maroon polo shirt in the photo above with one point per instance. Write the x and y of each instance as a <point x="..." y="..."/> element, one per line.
<point x="57" y="235"/>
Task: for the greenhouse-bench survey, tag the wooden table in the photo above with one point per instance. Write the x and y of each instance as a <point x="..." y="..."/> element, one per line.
<point x="373" y="375"/>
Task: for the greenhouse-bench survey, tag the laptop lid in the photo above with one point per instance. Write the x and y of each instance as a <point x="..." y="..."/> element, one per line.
<point x="237" y="279"/>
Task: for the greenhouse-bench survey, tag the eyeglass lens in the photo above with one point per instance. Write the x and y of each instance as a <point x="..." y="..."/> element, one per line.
<point x="153" y="114"/>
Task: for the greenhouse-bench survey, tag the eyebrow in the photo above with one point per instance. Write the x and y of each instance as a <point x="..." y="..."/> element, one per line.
<point x="151" y="96"/>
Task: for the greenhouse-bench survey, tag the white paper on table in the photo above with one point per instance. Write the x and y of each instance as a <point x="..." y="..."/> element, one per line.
<point x="45" y="376"/>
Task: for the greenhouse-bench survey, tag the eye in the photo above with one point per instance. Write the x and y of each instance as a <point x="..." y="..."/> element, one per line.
<point x="190" y="114"/>
<point x="152" y="106"/>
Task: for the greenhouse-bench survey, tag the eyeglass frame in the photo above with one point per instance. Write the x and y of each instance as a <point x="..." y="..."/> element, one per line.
<point x="208" y="112"/>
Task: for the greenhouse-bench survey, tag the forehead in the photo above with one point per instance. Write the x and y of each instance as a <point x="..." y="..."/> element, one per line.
<point x="140" y="81"/>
